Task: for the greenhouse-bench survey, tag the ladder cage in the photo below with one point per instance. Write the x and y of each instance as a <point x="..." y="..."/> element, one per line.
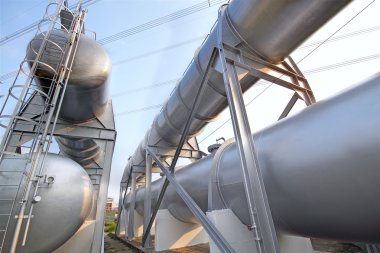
<point x="29" y="114"/>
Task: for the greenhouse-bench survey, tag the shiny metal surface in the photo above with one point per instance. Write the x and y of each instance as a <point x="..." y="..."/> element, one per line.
<point x="273" y="29"/>
<point x="86" y="93"/>
<point x="63" y="207"/>
<point x="321" y="180"/>
<point x="251" y="25"/>
<point x="81" y="150"/>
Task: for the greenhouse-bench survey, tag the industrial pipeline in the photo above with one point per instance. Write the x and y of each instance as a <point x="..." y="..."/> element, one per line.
<point x="318" y="173"/>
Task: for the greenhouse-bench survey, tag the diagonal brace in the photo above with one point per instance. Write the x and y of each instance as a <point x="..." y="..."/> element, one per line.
<point x="194" y="208"/>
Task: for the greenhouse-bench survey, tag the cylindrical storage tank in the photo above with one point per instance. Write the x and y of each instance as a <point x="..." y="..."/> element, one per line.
<point x="66" y="196"/>
<point x="86" y="93"/>
<point x="320" y="169"/>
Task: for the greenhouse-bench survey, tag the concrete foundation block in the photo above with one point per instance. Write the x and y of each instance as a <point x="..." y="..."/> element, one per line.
<point x="294" y="244"/>
<point x="122" y="224"/>
<point x="81" y="241"/>
<point x="138" y="224"/>
<point x="241" y="239"/>
<point x="235" y="232"/>
<point x="172" y="233"/>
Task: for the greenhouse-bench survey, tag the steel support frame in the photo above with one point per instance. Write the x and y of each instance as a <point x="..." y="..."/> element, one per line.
<point x="131" y="213"/>
<point x="102" y="197"/>
<point x="260" y="214"/>
<point x="259" y="211"/>
<point x="102" y="131"/>
<point x="147" y="200"/>
<point x="121" y="197"/>
<point x="285" y="74"/>
<point x="235" y="61"/>
<point x="123" y="185"/>
<point x="169" y="172"/>
<point x="178" y="150"/>
<point x="210" y="228"/>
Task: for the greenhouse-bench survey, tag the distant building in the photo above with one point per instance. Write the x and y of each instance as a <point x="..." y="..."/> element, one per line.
<point x="109" y="204"/>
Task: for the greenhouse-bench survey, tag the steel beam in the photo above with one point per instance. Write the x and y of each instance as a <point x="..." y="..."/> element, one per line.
<point x="123" y="199"/>
<point x="130" y="228"/>
<point x="212" y="231"/>
<point x="102" y="197"/>
<point x="289" y="106"/>
<point x="259" y="211"/>
<point x="147" y="200"/>
<point x="121" y="210"/>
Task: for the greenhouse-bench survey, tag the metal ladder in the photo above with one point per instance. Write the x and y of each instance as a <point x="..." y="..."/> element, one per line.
<point x="32" y="112"/>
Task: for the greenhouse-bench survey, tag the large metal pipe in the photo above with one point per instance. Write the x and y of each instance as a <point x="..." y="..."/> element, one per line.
<point x="320" y="169"/>
<point x="271" y="29"/>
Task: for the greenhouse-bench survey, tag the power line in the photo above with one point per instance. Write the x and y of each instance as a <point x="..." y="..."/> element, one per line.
<point x="343" y="36"/>
<point x="225" y="122"/>
<point x="160" y="50"/>
<point x="143" y="109"/>
<point x="131" y="31"/>
<point x="337" y="38"/>
<point x="146" y="87"/>
<point x="308" y="72"/>
<point x="342" y="64"/>
<point x="320" y="69"/>
<point x="32" y="26"/>
<point x="354" y="61"/>
<point x="333" y="39"/>
<point x="160" y="21"/>
<point x="332" y="35"/>
<point x="24" y="12"/>
<point x="137" y="29"/>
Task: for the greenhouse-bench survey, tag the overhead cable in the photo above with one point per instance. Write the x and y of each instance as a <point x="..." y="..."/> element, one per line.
<point x="308" y="72"/>
<point x="160" y="21"/>
<point x="333" y="39"/>
<point x="159" y="50"/>
<point x="320" y="69"/>
<point x="119" y="94"/>
<point x="32" y="26"/>
<point x="139" y="110"/>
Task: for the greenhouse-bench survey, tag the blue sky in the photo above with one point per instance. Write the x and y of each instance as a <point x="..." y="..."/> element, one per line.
<point x="135" y="66"/>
